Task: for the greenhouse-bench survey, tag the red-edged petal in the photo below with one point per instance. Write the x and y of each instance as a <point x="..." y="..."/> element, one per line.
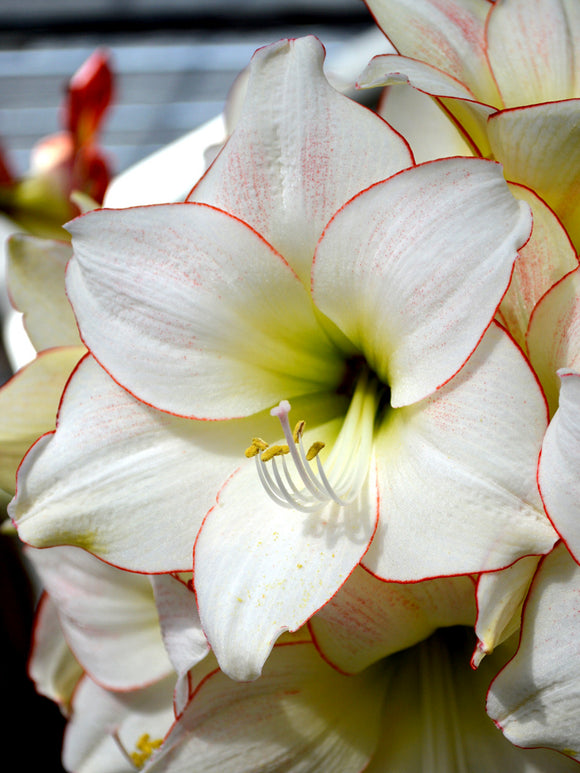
<point x="108" y="617"/>
<point x="369" y="619"/>
<point x="535" y="699"/>
<point x="193" y="312"/>
<point x="261" y="569"/>
<point x="449" y="35"/>
<point x="181" y="630"/>
<point x="457" y="472"/>
<point x="424" y="259"/>
<point x="539" y="146"/>
<point x="543" y="261"/>
<point x="534" y="49"/>
<point x="553" y="337"/>
<point x="294" y="160"/>
<point x="301" y="715"/>
<point x="107" y="727"/>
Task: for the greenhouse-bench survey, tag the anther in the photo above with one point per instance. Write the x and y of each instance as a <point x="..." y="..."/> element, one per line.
<point x="273" y="451"/>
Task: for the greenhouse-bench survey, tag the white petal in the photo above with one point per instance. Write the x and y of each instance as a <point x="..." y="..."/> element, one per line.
<point x="449" y="35"/>
<point x="559" y="464"/>
<point x="193" y="312"/>
<point x="108" y="617"/>
<point x="294" y="160"/>
<point x="500" y="598"/>
<point x="106" y="726"/>
<point x="300" y="716"/>
<point x="424" y="259"/>
<point x="261" y="569"/>
<point x="181" y="629"/>
<point x="35" y="278"/>
<point x="539" y="146"/>
<point x="457" y="472"/>
<point x="369" y="619"/>
<point x="28" y="406"/>
<point x="535" y="699"/>
<point x="542" y="261"/>
<point x="531" y="50"/>
<point x="120" y="479"/>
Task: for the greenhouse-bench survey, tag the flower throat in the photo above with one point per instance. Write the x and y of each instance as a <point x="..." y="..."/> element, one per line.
<point x="300" y="485"/>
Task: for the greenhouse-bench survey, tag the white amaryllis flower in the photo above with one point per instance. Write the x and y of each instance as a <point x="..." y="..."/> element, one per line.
<point x="507" y="72"/>
<point x="202" y="316"/>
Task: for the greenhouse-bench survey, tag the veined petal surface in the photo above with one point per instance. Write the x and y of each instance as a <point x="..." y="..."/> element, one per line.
<point x="450" y="34"/>
<point x="541" y="262"/>
<point x="457" y="472"/>
<point x="534" y="50"/>
<point x="133" y="484"/>
<point x="369" y="619"/>
<point x="293" y="161"/>
<point x="121" y="479"/>
<point x="301" y="716"/>
<point x="535" y="699"/>
<point x="424" y="259"/>
<point x="539" y="146"/>
<point x="193" y="312"/>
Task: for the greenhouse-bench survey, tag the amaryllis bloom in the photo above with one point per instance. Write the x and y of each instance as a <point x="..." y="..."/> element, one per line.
<point x="296" y="286"/>
<point x="506" y="72"/>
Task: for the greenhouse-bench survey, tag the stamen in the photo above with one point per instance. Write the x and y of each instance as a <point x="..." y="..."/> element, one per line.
<point x="145" y="746"/>
<point x="347" y="463"/>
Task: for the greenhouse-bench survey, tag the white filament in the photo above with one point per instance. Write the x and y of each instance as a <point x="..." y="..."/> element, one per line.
<point x="347" y="465"/>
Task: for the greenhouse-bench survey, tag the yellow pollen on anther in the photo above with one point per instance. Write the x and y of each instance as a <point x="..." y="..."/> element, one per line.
<point x="314" y="450"/>
<point x="257" y="446"/>
<point x="145" y="748"/>
<point x="272" y="451"/>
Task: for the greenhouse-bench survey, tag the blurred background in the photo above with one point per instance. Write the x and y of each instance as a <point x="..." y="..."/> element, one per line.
<point x="174" y="62"/>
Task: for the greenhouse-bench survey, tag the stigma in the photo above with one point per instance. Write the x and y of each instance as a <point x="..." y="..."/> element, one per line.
<point x="295" y="478"/>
